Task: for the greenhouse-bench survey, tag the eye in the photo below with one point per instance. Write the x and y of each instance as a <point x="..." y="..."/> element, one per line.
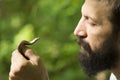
<point x="92" y="23"/>
<point x="86" y="17"/>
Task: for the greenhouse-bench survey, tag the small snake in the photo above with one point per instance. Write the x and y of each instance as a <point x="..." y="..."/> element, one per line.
<point x="22" y="45"/>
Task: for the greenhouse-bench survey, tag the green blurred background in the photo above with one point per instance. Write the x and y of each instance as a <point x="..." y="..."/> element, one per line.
<point x="54" y="22"/>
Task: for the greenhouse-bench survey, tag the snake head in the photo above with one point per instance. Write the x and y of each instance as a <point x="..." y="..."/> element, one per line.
<point x="23" y="45"/>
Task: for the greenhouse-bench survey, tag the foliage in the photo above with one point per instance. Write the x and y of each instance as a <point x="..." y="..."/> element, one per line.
<point x="54" y="22"/>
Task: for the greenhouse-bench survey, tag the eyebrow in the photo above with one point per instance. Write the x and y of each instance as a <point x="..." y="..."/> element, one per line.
<point x="94" y="19"/>
<point x="90" y="16"/>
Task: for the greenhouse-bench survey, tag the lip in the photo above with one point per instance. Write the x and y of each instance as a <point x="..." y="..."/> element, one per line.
<point x="80" y="41"/>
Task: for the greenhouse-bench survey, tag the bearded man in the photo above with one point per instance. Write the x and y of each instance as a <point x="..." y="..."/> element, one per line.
<point x="98" y="33"/>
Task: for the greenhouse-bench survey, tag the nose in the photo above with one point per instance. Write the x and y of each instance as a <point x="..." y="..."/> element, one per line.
<point x="80" y="30"/>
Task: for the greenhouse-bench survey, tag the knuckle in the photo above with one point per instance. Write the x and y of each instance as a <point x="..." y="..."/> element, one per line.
<point x="22" y="66"/>
<point x="28" y="50"/>
<point x="14" y="52"/>
<point x="16" y="70"/>
<point x="11" y="76"/>
<point x="37" y="58"/>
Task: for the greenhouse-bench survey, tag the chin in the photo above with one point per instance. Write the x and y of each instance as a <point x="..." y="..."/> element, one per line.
<point x="102" y="59"/>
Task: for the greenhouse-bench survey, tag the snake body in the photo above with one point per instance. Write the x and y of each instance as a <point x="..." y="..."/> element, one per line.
<point x="22" y="45"/>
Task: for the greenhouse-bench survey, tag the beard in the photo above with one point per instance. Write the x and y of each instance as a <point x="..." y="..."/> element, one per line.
<point x="99" y="60"/>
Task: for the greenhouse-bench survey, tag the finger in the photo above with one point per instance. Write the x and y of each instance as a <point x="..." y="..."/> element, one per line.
<point x="17" y="63"/>
<point x="17" y="56"/>
<point x="17" y="60"/>
<point x="32" y="56"/>
<point x="14" y="77"/>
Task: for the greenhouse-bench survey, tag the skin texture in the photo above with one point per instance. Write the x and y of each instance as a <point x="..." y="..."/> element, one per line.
<point x="99" y="44"/>
<point x="94" y="25"/>
<point x="26" y="65"/>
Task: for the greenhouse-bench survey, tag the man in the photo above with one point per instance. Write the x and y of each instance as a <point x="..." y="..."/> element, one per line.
<point x="98" y="33"/>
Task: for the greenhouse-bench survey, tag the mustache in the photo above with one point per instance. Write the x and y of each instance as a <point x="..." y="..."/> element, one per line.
<point x="81" y="41"/>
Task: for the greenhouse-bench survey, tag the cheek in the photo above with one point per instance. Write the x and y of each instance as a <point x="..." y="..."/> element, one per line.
<point x="98" y="34"/>
<point x="96" y="38"/>
<point x="96" y="42"/>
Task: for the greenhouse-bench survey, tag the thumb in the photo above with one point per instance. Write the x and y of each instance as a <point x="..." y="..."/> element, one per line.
<point x="16" y="56"/>
<point x="16" y="60"/>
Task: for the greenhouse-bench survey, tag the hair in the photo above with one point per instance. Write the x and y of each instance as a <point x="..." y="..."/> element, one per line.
<point x="115" y="16"/>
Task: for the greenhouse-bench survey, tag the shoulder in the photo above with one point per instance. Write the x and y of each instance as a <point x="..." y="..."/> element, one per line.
<point x="112" y="77"/>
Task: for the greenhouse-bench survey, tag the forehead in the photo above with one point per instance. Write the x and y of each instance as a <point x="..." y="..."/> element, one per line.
<point x="106" y="2"/>
<point x="96" y="8"/>
<point x="97" y="5"/>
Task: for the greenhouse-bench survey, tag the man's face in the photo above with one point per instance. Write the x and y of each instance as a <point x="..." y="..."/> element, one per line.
<point x="96" y="37"/>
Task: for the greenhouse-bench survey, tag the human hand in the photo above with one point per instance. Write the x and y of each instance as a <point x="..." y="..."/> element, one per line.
<point x="27" y="69"/>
